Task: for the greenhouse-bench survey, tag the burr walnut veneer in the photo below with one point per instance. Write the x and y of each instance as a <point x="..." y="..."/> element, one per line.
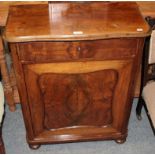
<point x="75" y="65"/>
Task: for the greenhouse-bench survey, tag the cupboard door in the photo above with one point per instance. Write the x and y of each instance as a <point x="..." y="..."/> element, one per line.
<point x="72" y="98"/>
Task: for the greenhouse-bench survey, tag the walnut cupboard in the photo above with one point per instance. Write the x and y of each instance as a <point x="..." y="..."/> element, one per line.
<point x="75" y="66"/>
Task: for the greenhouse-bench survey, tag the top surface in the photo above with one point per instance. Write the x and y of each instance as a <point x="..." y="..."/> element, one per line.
<point x="75" y="21"/>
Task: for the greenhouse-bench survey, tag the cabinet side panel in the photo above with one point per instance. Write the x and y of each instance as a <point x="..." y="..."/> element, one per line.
<point x="130" y="72"/>
<point x="137" y="61"/>
<point x="22" y="89"/>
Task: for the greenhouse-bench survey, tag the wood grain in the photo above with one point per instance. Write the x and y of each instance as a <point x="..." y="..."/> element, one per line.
<point x="77" y="50"/>
<point x="77" y="67"/>
<point x="78" y="99"/>
<point x="147" y="8"/>
<point x="75" y="21"/>
<point x="4" y="8"/>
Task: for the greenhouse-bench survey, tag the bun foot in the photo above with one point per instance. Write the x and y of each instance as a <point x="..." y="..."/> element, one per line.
<point x="120" y="141"/>
<point x="34" y="147"/>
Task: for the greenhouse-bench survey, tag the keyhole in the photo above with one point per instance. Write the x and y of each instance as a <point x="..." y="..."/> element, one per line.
<point x="79" y="49"/>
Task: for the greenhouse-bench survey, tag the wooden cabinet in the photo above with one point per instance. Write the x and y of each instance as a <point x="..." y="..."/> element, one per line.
<point x="77" y="85"/>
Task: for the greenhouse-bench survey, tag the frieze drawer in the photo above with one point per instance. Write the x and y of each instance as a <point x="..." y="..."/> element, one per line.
<point x="83" y="50"/>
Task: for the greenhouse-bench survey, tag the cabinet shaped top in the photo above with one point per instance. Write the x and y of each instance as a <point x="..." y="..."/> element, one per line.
<point x="75" y="21"/>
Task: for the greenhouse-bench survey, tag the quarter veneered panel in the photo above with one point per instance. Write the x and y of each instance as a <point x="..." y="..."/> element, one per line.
<point x="78" y="99"/>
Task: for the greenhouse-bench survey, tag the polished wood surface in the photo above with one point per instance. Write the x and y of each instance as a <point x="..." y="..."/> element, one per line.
<point x="76" y="88"/>
<point x="147" y="8"/>
<point x="4" y="8"/>
<point x="85" y="50"/>
<point x="75" y="21"/>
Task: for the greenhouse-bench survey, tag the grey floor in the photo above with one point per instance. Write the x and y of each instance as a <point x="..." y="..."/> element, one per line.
<point x="140" y="139"/>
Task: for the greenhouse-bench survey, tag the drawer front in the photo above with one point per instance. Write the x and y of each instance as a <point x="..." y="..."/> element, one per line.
<point x="79" y="50"/>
